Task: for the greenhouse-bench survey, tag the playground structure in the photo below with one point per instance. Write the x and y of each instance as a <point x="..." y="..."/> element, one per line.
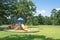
<point x="18" y="25"/>
<point x="22" y="27"/>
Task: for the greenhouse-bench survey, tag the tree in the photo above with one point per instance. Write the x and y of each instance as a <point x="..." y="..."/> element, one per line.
<point x="58" y="17"/>
<point x="6" y="7"/>
<point x="22" y="8"/>
<point x="55" y="17"/>
<point x="25" y="8"/>
<point x="35" y="20"/>
<point x="47" y="20"/>
<point x="40" y="19"/>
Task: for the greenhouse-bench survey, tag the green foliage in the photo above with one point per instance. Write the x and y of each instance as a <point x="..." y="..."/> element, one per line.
<point x="35" y="20"/>
<point x="23" y="8"/>
<point x="28" y="22"/>
<point x="47" y="21"/>
<point x="40" y="19"/>
<point x="55" y="17"/>
<point x="26" y="9"/>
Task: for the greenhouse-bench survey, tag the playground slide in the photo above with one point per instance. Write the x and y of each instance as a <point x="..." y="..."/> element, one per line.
<point x="24" y="26"/>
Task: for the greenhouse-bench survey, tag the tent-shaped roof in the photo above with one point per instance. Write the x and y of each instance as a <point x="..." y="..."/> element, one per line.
<point x="20" y="18"/>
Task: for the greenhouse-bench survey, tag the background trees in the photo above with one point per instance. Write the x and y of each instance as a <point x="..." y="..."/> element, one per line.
<point x="55" y="17"/>
<point x="26" y="9"/>
<point x="21" y="8"/>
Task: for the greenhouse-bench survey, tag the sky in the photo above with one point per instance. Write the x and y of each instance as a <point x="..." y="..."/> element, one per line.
<point x="45" y="7"/>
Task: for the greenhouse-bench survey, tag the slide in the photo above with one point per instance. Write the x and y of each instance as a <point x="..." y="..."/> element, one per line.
<point x="24" y="27"/>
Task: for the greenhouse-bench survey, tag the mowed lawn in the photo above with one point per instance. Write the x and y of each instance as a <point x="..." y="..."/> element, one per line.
<point x="46" y="32"/>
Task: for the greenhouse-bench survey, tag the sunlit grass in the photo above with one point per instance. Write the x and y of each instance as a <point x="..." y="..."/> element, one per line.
<point x="46" y="32"/>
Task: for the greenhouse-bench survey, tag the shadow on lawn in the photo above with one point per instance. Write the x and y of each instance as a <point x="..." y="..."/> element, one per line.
<point x="1" y="29"/>
<point x="26" y="37"/>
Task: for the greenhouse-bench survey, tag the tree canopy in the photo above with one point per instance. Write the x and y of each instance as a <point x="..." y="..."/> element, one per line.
<point x="26" y="9"/>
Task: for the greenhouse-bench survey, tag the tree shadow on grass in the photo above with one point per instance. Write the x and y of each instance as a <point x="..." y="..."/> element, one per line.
<point x="1" y="29"/>
<point x="27" y="37"/>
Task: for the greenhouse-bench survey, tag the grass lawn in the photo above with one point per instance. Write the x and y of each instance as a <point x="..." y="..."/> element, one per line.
<point x="47" y="32"/>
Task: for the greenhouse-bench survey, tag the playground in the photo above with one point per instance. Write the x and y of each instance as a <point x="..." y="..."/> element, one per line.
<point x="46" y="32"/>
<point x="29" y="20"/>
<point x="18" y="25"/>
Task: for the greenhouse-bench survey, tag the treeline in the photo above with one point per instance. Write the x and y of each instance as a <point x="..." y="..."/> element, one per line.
<point x="26" y="9"/>
<point x="54" y="19"/>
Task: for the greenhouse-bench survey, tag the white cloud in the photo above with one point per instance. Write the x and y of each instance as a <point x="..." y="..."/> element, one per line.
<point x="40" y="12"/>
<point x="57" y="8"/>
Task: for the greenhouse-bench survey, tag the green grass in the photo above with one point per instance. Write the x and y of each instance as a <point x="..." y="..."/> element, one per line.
<point x="47" y="32"/>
